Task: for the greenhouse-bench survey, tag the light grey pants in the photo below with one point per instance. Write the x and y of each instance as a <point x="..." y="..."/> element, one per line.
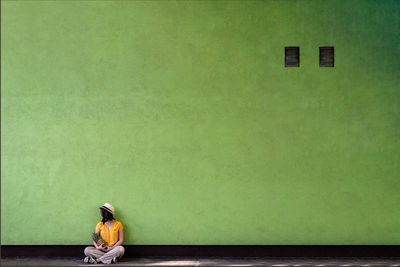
<point x="105" y="257"/>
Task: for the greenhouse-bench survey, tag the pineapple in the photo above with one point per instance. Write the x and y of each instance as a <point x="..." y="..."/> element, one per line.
<point x="99" y="241"/>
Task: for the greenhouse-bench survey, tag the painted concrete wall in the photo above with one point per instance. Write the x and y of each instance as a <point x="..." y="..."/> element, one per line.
<point x="182" y="115"/>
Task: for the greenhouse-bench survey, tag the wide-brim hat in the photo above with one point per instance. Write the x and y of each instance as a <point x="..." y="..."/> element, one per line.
<point x="108" y="207"/>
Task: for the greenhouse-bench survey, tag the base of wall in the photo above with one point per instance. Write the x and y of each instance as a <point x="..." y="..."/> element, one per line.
<point x="134" y="251"/>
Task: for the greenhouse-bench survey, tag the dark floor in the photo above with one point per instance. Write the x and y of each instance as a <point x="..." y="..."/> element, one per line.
<point x="210" y="262"/>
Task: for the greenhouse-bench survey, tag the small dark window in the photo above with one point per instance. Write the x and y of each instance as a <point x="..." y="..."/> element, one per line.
<point x="326" y="56"/>
<point x="292" y="56"/>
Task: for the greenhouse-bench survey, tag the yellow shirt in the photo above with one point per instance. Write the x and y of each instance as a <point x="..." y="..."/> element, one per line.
<point x="110" y="236"/>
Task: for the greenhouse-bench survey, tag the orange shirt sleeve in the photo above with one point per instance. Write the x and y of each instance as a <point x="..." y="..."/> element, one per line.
<point x="98" y="227"/>
<point x="120" y="226"/>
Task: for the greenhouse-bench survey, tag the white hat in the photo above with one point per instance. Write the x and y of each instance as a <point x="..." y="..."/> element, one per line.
<point x="108" y="207"/>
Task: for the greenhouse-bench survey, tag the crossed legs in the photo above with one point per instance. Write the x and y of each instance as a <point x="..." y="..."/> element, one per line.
<point x="105" y="257"/>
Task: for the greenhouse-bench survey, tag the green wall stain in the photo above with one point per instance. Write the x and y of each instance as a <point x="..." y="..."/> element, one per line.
<point x="182" y="115"/>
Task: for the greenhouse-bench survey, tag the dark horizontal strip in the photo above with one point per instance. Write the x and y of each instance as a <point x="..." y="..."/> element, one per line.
<point x="132" y="251"/>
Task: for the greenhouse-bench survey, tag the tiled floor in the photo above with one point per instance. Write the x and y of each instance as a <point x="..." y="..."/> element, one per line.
<point x="276" y="262"/>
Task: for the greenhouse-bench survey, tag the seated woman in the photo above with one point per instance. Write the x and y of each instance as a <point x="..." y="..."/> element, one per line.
<point x="111" y="231"/>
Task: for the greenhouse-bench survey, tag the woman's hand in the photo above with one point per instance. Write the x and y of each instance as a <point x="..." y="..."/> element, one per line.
<point x="96" y="246"/>
<point x="105" y="248"/>
<point x="101" y="247"/>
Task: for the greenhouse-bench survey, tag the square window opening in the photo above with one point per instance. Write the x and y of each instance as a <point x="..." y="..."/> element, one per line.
<point x="292" y="56"/>
<point x="326" y="56"/>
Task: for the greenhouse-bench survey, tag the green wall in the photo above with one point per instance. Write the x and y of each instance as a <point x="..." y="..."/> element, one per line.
<point x="182" y="115"/>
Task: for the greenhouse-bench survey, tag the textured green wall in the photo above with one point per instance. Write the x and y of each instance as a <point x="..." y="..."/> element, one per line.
<point x="182" y="115"/>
